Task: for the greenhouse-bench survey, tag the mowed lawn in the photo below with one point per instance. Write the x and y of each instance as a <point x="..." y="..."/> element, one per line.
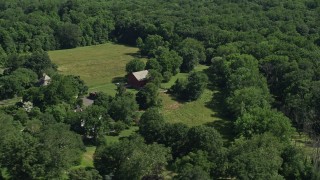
<point x="100" y="66"/>
<point x="190" y="113"/>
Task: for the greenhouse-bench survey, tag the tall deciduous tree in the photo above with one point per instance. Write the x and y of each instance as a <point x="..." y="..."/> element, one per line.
<point x="68" y="35"/>
<point x="148" y="96"/>
<point x="135" y="65"/>
<point x="192" y="52"/>
<point x="132" y="159"/>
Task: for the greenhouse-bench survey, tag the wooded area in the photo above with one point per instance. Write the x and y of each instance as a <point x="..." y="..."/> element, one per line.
<point x="264" y="70"/>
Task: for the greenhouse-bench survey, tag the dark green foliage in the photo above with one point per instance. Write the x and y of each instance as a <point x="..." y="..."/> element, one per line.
<point x="252" y="159"/>
<point x="16" y="82"/>
<point x="151" y="44"/>
<point x="33" y="153"/>
<point x="260" y="120"/>
<point x="169" y="60"/>
<point x="135" y="65"/>
<point x="167" y="76"/>
<point x="68" y="35"/>
<point x="152" y="125"/>
<point x="61" y="89"/>
<point x="192" y="88"/>
<point x="241" y="38"/>
<point x="39" y="62"/>
<point x="84" y="174"/>
<point x="148" y="96"/>
<point x="192" y="173"/>
<point x="193" y="166"/>
<point x="243" y="100"/>
<point x="132" y="159"/>
<point x="123" y="108"/>
<point x="103" y="100"/>
<point x="153" y="64"/>
<point x="93" y="122"/>
<point x="295" y="164"/>
<point x="192" y="52"/>
<point x="154" y="77"/>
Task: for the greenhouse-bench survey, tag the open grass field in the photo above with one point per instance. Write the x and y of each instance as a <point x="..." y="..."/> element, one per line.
<point x="9" y="102"/>
<point x="124" y="133"/>
<point x="87" y="157"/>
<point x="100" y="66"/>
<point x="190" y="113"/>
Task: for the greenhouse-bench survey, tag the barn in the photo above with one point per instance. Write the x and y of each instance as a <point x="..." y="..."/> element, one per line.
<point x="138" y="79"/>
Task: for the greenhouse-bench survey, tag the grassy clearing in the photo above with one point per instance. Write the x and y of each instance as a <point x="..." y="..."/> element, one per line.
<point x="124" y="133"/>
<point x="181" y="75"/>
<point x="99" y="66"/>
<point x="87" y="157"/>
<point x="190" y="113"/>
<point x="9" y="102"/>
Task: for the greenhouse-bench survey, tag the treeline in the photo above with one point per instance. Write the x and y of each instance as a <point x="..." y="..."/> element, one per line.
<point x="263" y="58"/>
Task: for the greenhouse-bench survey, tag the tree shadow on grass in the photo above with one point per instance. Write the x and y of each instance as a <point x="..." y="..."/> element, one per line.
<point x="217" y="104"/>
<point x="135" y="55"/>
<point x="225" y="128"/>
<point x="120" y="79"/>
<point x="224" y="125"/>
<point x="174" y="98"/>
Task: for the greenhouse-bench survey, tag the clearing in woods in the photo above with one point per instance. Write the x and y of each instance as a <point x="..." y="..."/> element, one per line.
<point x="100" y="66"/>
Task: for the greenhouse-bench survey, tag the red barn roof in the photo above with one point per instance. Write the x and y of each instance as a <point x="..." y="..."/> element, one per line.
<point x="138" y="79"/>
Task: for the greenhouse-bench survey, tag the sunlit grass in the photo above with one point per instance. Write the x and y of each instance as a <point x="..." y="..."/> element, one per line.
<point x="99" y="66"/>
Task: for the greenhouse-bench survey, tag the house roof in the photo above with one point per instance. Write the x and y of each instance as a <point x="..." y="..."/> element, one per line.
<point x="140" y="75"/>
<point x="46" y="78"/>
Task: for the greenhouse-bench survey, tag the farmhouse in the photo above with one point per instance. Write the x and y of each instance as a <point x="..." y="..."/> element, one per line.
<point x="138" y="79"/>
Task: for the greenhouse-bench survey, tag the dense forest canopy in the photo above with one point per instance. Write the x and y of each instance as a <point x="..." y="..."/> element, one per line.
<point x="264" y="63"/>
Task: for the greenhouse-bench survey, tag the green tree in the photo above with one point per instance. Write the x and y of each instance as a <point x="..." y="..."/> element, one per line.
<point x="132" y="159"/>
<point x="39" y="62"/>
<point x="68" y="35"/>
<point x="192" y="88"/>
<point x="197" y="82"/>
<point x="154" y="77"/>
<point x="256" y="158"/>
<point x="149" y="46"/>
<point x="169" y="60"/>
<point x="243" y="100"/>
<point x="94" y="122"/>
<point x="124" y="108"/>
<point x="152" y="125"/>
<point x="103" y="99"/>
<point x="153" y="64"/>
<point x="195" y="165"/>
<point x="148" y="96"/>
<point x="193" y="52"/>
<point x="84" y="174"/>
<point x="15" y="83"/>
<point x="208" y="139"/>
<point x="295" y="164"/>
<point x="260" y="120"/>
<point x="135" y="65"/>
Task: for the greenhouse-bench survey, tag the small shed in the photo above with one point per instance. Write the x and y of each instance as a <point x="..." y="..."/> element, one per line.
<point x="138" y="79"/>
<point x="45" y="80"/>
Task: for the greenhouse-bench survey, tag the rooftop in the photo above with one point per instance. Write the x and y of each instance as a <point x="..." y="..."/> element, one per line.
<point x="140" y="75"/>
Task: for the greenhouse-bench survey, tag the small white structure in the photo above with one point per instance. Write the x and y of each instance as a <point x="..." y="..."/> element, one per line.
<point x="45" y="80"/>
<point x="27" y="106"/>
